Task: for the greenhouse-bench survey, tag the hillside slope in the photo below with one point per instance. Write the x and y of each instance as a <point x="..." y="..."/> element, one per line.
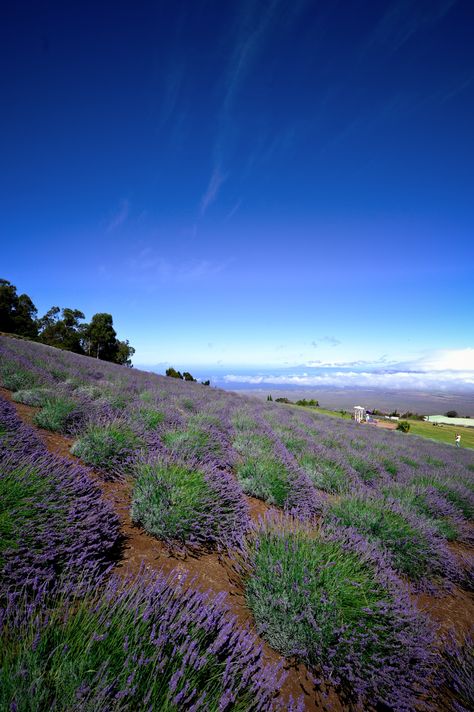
<point x="369" y="537"/>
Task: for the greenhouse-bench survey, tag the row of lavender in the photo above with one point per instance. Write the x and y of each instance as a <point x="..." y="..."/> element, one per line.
<point x="53" y="521"/>
<point x="378" y="494"/>
<point x="184" y="445"/>
<point x="72" y="636"/>
<point x="392" y="488"/>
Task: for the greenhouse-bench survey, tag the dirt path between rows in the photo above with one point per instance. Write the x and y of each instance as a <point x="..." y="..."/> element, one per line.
<point x="207" y="571"/>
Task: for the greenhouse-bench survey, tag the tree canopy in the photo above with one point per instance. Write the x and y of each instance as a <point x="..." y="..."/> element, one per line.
<point x="62" y="328"/>
<point x="17" y="312"/>
<point x="64" y="333"/>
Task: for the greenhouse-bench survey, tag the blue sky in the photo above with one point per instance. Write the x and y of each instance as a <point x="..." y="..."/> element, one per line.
<point x="245" y="183"/>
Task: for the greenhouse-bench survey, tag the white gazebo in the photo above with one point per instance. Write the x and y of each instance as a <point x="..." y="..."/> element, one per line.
<point x="359" y="412"/>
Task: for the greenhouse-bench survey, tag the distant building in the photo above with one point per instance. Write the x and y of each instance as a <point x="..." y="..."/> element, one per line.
<point x="359" y="412"/>
<point x="444" y="420"/>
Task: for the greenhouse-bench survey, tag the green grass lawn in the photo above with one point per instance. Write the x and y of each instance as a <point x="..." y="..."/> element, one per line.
<point x="323" y="411"/>
<point x="336" y="413"/>
<point x="442" y="433"/>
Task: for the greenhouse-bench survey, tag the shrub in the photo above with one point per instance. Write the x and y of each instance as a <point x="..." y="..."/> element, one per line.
<point x="185" y="504"/>
<point x="108" y="447"/>
<point x="89" y="391"/>
<point x="190" y="443"/>
<point x="265" y="478"/>
<point x="35" y="397"/>
<point x="458" y="674"/>
<point x="414" y="547"/>
<point x="331" y="602"/>
<point x="403" y="426"/>
<point x="118" y="401"/>
<point x="324" y="474"/>
<point x="188" y="404"/>
<point x="170" y="501"/>
<point x="432" y="505"/>
<point x="367" y="469"/>
<point x="16" y="436"/>
<point x="52" y="518"/>
<point x="21" y="491"/>
<point x="390" y="466"/>
<point x="56" y="414"/>
<point x="293" y="443"/>
<point x="268" y="471"/>
<point x="455" y="492"/>
<point x="136" y="645"/>
<point x="151" y="418"/>
<point x="15" y="378"/>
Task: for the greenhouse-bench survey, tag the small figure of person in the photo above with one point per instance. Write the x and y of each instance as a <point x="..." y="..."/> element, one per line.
<point x="458" y="440"/>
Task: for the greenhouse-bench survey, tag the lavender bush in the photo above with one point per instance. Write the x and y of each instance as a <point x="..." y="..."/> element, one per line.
<point x="188" y="504"/>
<point x="109" y="447"/>
<point x="415" y="548"/>
<point x="458" y="676"/>
<point x="268" y="471"/>
<point x="331" y="600"/>
<point x="431" y="503"/>
<point x="36" y="397"/>
<point x="149" y="644"/>
<point x="16" y="438"/>
<point x="58" y="413"/>
<point x="52" y="518"/>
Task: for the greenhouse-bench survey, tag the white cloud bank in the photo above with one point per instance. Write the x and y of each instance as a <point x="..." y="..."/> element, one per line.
<point x="447" y="360"/>
<point x="444" y="370"/>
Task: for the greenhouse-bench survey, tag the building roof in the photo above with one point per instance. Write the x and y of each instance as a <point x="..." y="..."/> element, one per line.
<point x="462" y="422"/>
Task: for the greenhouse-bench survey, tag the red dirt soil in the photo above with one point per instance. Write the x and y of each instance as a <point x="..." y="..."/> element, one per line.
<point x="211" y="571"/>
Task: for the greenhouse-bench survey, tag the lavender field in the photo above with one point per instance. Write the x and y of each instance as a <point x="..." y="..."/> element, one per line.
<point x="359" y="541"/>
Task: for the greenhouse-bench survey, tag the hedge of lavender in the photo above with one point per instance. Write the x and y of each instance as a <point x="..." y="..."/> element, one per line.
<point x="109" y="447"/>
<point x="191" y="504"/>
<point x="332" y="601"/>
<point x="458" y="677"/>
<point x="413" y="544"/>
<point x="268" y="470"/>
<point x="290" y="457"/>
<point x="145" y="644"/>
<point x="52" y="519"/>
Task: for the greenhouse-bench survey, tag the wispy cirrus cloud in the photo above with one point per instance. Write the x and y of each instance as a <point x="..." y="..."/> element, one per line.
<point x="330" y="340"/>
<point x="404" y="18"/>
<point x="119" y="217"/>
<point x="253" y="26"/>
<point x="216" y="180"/>
<point x="151" y="270"/>
<point x="233" y="211"/>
